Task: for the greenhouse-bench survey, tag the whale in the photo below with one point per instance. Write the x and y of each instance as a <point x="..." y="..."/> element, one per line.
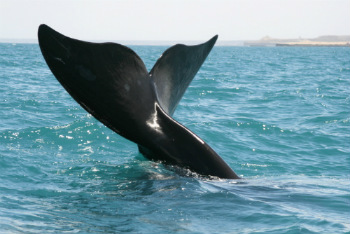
<point x="111" y="82"/>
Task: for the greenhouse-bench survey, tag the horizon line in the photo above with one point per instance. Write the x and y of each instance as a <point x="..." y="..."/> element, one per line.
<point x="130" y="42"/>
<point x="167" y="42"/>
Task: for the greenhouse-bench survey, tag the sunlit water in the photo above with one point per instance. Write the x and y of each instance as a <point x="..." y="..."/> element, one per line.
<point x="278" y="116"/>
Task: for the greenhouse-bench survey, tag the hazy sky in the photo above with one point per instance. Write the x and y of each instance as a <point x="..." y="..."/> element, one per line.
<point x="175" y="19"/>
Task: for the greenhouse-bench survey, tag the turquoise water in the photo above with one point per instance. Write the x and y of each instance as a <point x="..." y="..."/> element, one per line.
<point x="278" y="116"/>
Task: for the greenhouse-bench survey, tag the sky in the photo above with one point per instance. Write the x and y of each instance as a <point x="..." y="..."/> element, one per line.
<point x="171" y="20"/>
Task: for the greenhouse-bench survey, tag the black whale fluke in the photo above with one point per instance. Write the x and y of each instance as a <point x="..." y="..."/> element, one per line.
<point x="111" y="82"/>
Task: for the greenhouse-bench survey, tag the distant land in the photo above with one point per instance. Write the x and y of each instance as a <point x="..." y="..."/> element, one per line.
<point x="329" y="40"/>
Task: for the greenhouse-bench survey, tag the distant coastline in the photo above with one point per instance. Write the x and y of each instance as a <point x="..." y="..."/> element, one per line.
<point x="330" y="40"/>
<point x="315" y="44"/>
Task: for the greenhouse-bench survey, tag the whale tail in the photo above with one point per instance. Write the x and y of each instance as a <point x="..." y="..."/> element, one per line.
<point x="111" y="82"/>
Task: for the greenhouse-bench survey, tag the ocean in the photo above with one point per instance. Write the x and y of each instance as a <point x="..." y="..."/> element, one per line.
<point x="278" y="116"/>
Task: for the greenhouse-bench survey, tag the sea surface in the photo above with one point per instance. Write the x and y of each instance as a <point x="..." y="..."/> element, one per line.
<point x="278" y="116"/>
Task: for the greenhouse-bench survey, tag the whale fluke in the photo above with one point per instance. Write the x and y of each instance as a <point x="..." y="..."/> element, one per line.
<point x="111" y="82"/>
<point x="175" y="69"/>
